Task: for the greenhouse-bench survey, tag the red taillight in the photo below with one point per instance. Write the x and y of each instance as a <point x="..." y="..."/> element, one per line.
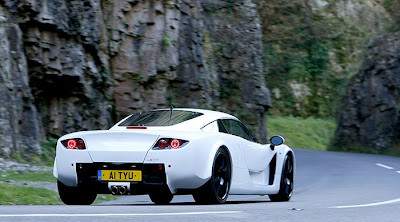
<point x="175" y="144"/>
<point x="169" y="144"/>
<point x="160" y="167"/>
<point x="74" y="144"/>
<point x="80" y="144"/>
<point x="162" y="144"/>
<point x="71" y="144"/>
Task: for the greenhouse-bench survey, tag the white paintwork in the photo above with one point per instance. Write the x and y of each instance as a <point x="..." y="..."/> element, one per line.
<point x="191" y="166"/>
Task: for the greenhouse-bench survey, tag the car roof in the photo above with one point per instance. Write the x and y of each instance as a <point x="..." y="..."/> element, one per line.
<point x="195" y="123"/>
<point x="210" y="113"/>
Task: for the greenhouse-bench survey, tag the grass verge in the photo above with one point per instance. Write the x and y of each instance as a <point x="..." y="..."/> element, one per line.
<point x="27" y="176"/>
<point x="316" y="134"/>
<point x="310" y="133"/>
<point x="21" y="195"/>
<point x="15" y="195"/>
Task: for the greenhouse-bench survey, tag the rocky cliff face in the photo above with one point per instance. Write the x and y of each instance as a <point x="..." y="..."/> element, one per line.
<point x="19" y="126"/>
<point x="80" y="65"/>
<point x="371" y="107"/>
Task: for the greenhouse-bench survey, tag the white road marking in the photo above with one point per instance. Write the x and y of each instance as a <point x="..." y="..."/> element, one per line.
<point x="398" y="171"/>
<point x="113" y="215"/>
<point x="385" y="166"/>
<point x="370" y="204"/>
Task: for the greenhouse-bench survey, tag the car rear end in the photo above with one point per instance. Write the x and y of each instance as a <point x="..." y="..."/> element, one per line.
<point x="105" y="160"/>
<point x="165" y="163"/>
<point x="146" y="152"/>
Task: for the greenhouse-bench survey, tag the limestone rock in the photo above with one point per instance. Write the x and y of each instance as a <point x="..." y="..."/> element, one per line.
<point x="370" y="109"/>
<point x="19" y="125"/>
<point x="69" y="65"/>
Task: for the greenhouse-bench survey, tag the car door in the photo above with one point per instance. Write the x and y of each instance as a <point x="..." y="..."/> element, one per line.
<point x="257" y="156"/>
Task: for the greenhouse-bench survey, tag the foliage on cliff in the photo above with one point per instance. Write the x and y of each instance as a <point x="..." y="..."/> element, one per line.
<point x="393" y="8"/>
<point x="313" y="47"/>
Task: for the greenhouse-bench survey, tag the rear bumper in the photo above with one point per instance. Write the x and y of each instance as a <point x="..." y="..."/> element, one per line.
<point x="153" y="176"/>
<point x="187" y="168"/>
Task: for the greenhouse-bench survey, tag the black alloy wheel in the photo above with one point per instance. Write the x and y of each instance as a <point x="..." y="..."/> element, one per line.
<point x="161" y="197"/>
<point x="75" y="195"/>
<point x="216" y="190"/>
<point x="287" y="181"/>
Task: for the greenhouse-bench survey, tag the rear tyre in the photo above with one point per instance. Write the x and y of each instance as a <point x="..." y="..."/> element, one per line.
<point x="161" y="197"/>
<point x="287" y="182"/>
<point x="75" y="195"/>
<point x="216" y="190"/>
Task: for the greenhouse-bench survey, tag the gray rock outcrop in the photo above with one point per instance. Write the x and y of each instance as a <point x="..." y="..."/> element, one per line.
<point x="371" y="107"/>
<point x="69" y="65"/>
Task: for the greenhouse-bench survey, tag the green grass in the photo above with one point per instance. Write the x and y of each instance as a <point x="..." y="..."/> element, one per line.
<point x="316" y="134"/>
<point x="18" y="195"/>
<point x="310" y="133"/>
<point x="13" y="195"/>
<point x="27" y="176"/>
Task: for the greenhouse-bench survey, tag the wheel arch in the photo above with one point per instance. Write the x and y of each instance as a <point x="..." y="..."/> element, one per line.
<point x="55" y="172"/>
<point x="281" y="194"/>
<point x="224" y="147"/>
<point x="206" y="172"/>
<point x="209" y="192"/>
<point x="230" y="159"/>
<point x="281" y="152"/>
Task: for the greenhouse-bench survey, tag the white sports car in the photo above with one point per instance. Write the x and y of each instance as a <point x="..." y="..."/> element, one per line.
<point x="173" y="151"/>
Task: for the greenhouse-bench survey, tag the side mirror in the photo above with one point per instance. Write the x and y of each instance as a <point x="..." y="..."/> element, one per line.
<point x="276" y="141"/>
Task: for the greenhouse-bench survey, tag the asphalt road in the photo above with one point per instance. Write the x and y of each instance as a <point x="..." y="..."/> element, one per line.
<point x="329" y="186"/>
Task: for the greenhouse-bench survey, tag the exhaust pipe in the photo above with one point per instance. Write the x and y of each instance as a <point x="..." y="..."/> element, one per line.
<point x="122" y="190"/>
<point x="119" y="188"/>
<point x="114" y="190"/>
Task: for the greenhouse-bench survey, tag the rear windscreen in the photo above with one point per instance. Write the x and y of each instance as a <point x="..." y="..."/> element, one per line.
<point x="159" y="118"/>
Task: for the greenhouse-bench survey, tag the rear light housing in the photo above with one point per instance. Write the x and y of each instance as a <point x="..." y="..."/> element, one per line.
<point x="169" y="144"/>
<point x="74" y="144"/>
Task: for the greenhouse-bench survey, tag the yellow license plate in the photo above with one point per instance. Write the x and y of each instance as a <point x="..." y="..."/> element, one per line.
<point x="119" y="175"/>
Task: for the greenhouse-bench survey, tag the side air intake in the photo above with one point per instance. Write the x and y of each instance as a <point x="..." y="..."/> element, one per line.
<point x="272" y="169"/>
